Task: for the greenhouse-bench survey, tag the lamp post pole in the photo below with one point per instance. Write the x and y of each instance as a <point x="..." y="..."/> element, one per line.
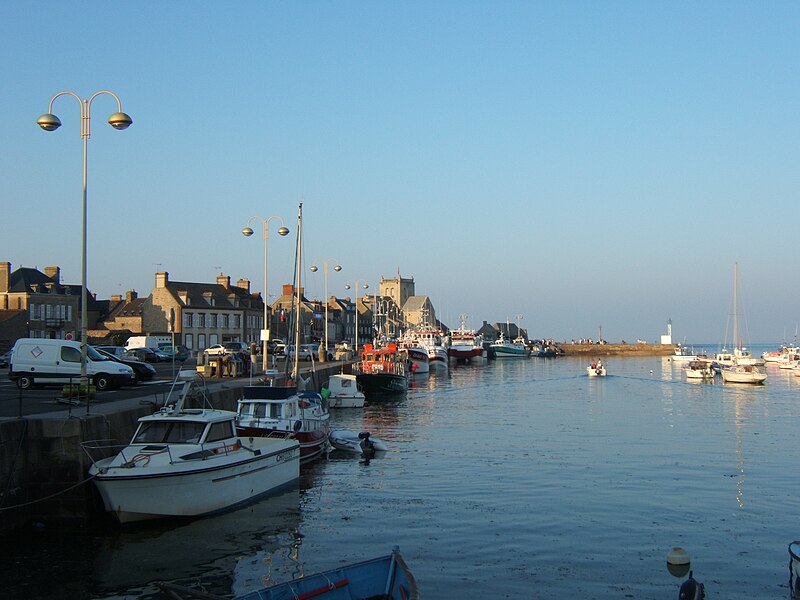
<point x="247" y="232"/>
<point x="50" y="122"/>
<point x="347" y="287"/>
<point x="314" y="269"/>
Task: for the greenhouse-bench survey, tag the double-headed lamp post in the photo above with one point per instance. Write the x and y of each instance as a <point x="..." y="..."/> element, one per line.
<point x="247" y="231"/>
<point x="355" y="285"/>
<point x="314" y="269"/>
<point x="50" y="122"/>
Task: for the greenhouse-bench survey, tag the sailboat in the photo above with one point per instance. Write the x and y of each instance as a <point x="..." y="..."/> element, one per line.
<point x="741" y="369"/>
<point x="287" y="411"/>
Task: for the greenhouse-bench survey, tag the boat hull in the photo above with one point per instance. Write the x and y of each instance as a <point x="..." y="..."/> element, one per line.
<point x="382" y="383"/>
<point x="196" y="488"/>
<point x="384" y="577"/>
<point x="312" y="443"/>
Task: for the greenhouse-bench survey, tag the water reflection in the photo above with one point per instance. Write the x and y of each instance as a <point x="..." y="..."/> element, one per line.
<point x="202" y="553"/>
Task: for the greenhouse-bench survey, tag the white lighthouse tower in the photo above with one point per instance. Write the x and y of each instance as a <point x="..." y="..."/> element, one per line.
<point x="667" y="339"/>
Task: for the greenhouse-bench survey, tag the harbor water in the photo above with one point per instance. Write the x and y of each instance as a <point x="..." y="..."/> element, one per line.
<point x="523" y="478"/>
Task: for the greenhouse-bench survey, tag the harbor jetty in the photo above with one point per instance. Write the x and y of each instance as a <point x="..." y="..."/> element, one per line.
<point x="617" y="349"/>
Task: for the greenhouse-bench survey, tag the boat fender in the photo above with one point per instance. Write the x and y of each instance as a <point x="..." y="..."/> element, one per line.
<point x="298" y="425"/>
<point x="691" y="589"/>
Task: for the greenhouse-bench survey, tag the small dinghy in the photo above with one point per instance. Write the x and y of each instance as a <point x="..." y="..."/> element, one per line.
<point x="359" y="443"/>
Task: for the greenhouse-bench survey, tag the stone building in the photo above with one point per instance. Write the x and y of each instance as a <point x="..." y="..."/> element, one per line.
<point x="204" y="313"/>
<point x="53" y="308"/>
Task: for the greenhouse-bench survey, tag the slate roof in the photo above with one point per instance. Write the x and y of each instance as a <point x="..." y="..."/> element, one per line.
<point x="196" y="295"/>
<point x="27" y="280"/>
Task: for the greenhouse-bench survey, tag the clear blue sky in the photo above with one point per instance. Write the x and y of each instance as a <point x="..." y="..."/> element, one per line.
<point x="578" y="163"/>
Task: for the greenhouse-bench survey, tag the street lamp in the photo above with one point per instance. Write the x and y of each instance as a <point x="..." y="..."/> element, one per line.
<point x="314" y="269"/>
<point x="50" y="122"/>
<point x="247" y="232"/>
<point x="364" y="286"/>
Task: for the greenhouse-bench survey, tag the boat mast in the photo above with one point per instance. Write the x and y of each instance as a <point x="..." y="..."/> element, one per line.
<point x="297" y="275"/>
<point x="735" y="305"/>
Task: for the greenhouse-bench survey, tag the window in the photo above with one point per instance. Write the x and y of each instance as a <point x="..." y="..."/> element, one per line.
<point x="70" y="354"/>
<point x="201" y="341"/>
<point x="212" y="321"/>
<point x="187" y="319"/>
<point x="188" y="340"/>
<point x="202" y="317"/>
<point x="224" y="324"/>
<point x="220" y="431"/>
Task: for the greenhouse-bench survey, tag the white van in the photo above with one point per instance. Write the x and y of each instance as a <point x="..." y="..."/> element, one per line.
<point x="39" y="361"/>
<point x="146" y="341"/>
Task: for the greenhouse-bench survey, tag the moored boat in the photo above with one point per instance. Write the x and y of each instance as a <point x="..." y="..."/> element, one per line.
<point x="466" y="346"/>
<point x="699" y="370"/>
<point x="282" y="412"/>
<point x="382" y="371"/>
<point x="504" y="348"/>
<point x="190" y="462"/>
<point x="344" y="392"/>
<point x="383" y="577"/>
<point x="359" y="443"/>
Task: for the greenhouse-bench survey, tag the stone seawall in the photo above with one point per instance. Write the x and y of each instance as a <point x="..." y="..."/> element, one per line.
<point x="44" y="469"/>
<point x="618" y="349"/>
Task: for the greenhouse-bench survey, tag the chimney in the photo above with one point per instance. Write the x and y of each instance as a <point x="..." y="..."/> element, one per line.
<point x="53" y="273"/>
<point x="288" y="289"/>
<point x="162" y="278"/>
<point x="224" y="281"/>
<point x="116" y="297"/>
<point x="244" y="284"/>
<point x="131" y="295"/>
<point x="5" y="272"/>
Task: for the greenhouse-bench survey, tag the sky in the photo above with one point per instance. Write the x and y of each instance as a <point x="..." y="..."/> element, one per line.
<point x="565" y="165"/>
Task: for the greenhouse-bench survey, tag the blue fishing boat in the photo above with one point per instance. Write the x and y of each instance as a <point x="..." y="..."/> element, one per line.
<point x="383" y="577"/>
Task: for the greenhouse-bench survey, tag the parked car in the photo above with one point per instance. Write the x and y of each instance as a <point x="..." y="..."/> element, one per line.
<point x="4" y="358"/>
<point x="141" y="370"/>
<point x="277" y="347"/>
<point x="142" y="354"/>
<point x="181" y="352"/>
<point x="117" y="351"/>
<point x="162" y="355"/>
<point x="231" y="347"/>
<point x="215" y="350"/>
<point x="305" y="352"/>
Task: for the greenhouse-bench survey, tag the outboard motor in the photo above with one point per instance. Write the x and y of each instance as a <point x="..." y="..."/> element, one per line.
<point x="367" y="447"/>
<point x="691" y="589"/>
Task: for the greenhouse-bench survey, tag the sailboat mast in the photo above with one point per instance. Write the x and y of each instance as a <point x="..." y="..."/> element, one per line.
<point x="297" y="275"/>
<point x="735" y="305"/>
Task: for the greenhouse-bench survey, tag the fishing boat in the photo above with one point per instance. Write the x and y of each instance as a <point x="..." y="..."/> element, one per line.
<point x="382" y="370"/>
<point x="432" y="341"/>
<point x="184" y="462"/>
<point x="344" y="392"/>
<point x="699" y="370"/>
<point x="596" y="369"/>
<point x="683" y="354"/>
<point x="359" y="443"/>
<point x="504" y="348"/>
<point x="417" y="356"/>
<point x="282" y="412"/>
<point x="466" y="346"/>
<point x="743" y="367"/>
<point x="383" y="577"/>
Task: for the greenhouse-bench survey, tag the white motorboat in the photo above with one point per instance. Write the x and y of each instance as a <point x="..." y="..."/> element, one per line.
<point x="344" y="392"/>
<point x="431" y="340"/>
<point x="683" y="354"/>
<point x="596" y="369"/>
<point x="190" y="462"/>
<point x="359" y="443"/>
<point x="743" y="374"/>
<point x="699" y="370"/>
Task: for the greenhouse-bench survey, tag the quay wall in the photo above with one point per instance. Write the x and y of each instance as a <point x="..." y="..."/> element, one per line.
<point x="44" y="469"/>
<point x="617" y="349"/>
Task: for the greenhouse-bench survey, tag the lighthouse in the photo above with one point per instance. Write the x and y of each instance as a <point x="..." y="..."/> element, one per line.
<point x="667" y="339"/>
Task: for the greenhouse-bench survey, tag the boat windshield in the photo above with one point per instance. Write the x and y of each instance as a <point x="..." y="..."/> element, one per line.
<point x="169" y="432"/>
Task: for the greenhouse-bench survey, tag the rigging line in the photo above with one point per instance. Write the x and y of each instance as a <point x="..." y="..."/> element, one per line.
<point x="51" y="496"/>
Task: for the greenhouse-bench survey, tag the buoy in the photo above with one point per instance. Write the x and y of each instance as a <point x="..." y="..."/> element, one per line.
<point x="678" y="562"/>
